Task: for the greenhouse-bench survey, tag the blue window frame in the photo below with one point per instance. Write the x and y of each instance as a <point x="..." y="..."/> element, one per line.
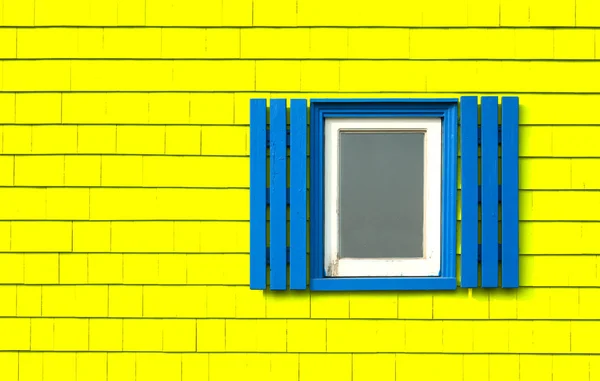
<point x="446" y="110"/>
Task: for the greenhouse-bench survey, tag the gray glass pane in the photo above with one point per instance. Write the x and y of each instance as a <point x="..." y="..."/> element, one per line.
<point x="381" y="194"/>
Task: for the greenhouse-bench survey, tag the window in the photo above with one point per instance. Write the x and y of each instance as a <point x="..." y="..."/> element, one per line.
<point x="383" y="194"/>
<point x="382" y="197"/>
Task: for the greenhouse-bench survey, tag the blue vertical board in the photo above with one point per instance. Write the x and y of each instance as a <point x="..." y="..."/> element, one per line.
<point x="489" y="192"/>
<point x="317" y="195"/>
<point x="298" y="194"/>
<point x="278" y="202"/>
<point x="258" y="196"/>
<point x="469" y="193"/>
<point x="510" y="192"/>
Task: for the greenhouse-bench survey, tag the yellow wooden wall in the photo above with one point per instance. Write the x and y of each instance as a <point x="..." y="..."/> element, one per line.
<point x="124" y="178"/>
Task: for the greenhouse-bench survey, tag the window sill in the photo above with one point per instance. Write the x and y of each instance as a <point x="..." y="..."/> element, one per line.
<point x="380" y="284"/>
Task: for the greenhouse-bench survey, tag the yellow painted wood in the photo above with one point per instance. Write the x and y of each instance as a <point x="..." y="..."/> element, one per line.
<point x="124" y="176"/>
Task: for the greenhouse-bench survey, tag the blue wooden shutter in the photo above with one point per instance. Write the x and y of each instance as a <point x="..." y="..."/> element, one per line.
<point x="272" y="143"/>
<point x="490" y="194"/>
<point x="275" y="255"/>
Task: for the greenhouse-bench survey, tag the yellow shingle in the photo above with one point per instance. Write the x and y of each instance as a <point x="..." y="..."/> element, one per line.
<point x="67" y="12"/>
<point x="277" y="75"/>
<point x="490" y="336"/>
<point x="121" y="366"/>
<point x="46" y="42"/>
<point x="142" y="335"/>
<point x="249" y="303"/>
<point x="103" y="12"/>
<point x="67" y="204"/>
<point x="363" y="338"/>
<point x="38" y="108"/>
<point x="131" y="12"/>
<point x="127" y="108"/>
<point x="320" y="76"/>
<point x="461" y="305"/>
<point x="382" y="76"/>
<point x="216" y="108"/>
<point x="504" y="367"/>
<point x="220" y="301"/>
<point x="84" y="108"/>
<point x="124" y="204"/>
<point x="152" y="366"/>
<point x="179" y="335"/>
<point x="291" y="305"/>
<point x="551" y="336"/>
<point x="73" y="268"/>
<point x="8" y="42"/>
<point x="424" y="336"/>
<point x="273" y="12"/>
<point x="42" y="334"/>
<point x="168" y="109"/>
<point x="172" y="269"/>
<point x="375" y="43"/>
<point x="92" y="366"/>
<point x="570" y="368"/>
<point x="306" y="335"/>
<point x="140" y="268"/>
<point x="457" y="336"/>
<point x="514" y="13"/>
<point x="373" y="305"/>
<point x="105" y="268"/>
<point x="7" y="108"/>
<point x="183" y="43"/>
<point x="30" y="366"/>
<point x="325" y="305"/>
<point x="367" y="367"/>
<point x="19" y="13"/>
<point x="186" y="238"/>
<point x="210" y="335"/>
<point x="29" y="300"/>
<point x="11" y="267"/>
<point x="483" y="13"/>
<point x="59" y="366"/>
<point x="23" y="203"/>
<point x="71" y="334"/>
<point x="562" y="14"/>
<point x="91" y="301"/>
<point x="125" y="301"/>
<point x="121" y="170"/>
<point x="213" y="75"/>
<point x="223" y="43"/>
<point x="535" y="367"/>
<point x="8" y="301"/>
<point x="333" y="367"/>
<point x="142" y="237"/>
<point x="132" y="42"/>
<point x="415" y="305"/>
<point x="36" y="75"/>
<point x="41" y="268"/>
<point x="17" y="139"/>
<point x="283" y="43"/>
<point x="194" y="367"/>
<point x="106" y="335"/>
<point x="15" y="334"/>
<point x="182" y="140"/>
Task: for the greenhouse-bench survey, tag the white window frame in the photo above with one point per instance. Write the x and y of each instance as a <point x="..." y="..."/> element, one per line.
<point x="430" y="264"/>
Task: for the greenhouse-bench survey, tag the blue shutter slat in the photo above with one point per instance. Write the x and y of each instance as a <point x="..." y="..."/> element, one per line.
<point x="510" y="192"/>
<point x="469" y="192"/>
<point x="278" y="203"/>
<point x="258" y="197"/>
<point x="489" y="192"/>
<point x="297" y="194"/>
